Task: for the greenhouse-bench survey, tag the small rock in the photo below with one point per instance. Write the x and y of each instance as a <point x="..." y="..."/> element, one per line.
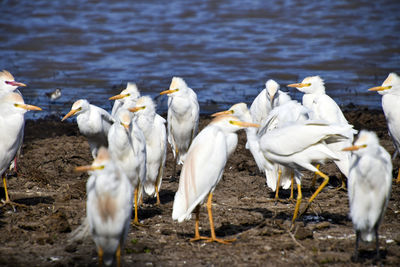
<point x="322" y="225"/>
<point x="71" y="248"/>
<point x="303" y="233"/>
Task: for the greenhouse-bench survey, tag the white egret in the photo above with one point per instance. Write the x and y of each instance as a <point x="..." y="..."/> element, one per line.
<point x="183" y="118"/>
<point x="108" y="206"/>
<point x="153" y="127"/>
<point x="266" y="100"/>
<point x="390" y="91"/>
<point x="369" y="186"/>
<point x="323" y="107"/>
<point x="127" y="146"/>
<point x="93" y="122"/>
<point x="12" y="122"/>
<point x="202" y="170"/>
<point x="298" y="144"/>
<point x="8" y="83"/>
<point x="127" y="97"/>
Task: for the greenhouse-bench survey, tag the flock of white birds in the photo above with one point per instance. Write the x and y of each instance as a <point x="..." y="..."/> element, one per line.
<point x="285" y="137"/>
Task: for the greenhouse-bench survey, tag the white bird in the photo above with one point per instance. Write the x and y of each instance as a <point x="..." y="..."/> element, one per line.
<point x="323" y="107"/>
<point x="108" y="206"/>
<point x="203" y="169"/>
<point x="8" y="83"/>
<point x="266" y="100"/>
<point x="127" y="146"/>
<point x="369" y="186"/>
<point x="281" y="115"/>
<point x="153" y="127"/>
<point x="183" y="118"/>
<point x="93" y="122"/>
<point x="12" y="123"/>
<point x="298" y="144"/>
<point x="390" y="91"/>
<point x="127" y="97"/>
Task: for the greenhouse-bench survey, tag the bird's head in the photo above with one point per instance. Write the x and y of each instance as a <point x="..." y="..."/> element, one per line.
<point x="130" y="91"/>
<point x="17" y="104"/>
<point x="310" y="85"/>
<point x="390" y="85"/>
<point x="78" y="107"/>
<point x="124" y="118"/>
<point x="7" y="82"/>
<point x="177" y="86"/>
<point x="272" y="87"/>
<point x="366" y="140"/>
<point x="144" y="104"/>
<point x="239" y="110"/>
<point x="99" y="163"/>
<point x="231" y="123"/>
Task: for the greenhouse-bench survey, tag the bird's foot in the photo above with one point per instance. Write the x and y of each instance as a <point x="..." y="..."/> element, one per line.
<point x="198" y="237"/>
<point x="221" y="241"/>
<point x="136" y="223"/>
<point x="342" y="187"/>
<point x="12" y="204"/>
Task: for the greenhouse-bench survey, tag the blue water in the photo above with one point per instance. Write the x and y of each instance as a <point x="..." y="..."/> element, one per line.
<point x="225" y="50"/>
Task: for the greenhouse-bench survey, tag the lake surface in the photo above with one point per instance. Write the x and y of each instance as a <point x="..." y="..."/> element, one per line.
<point x="225" y="50"/>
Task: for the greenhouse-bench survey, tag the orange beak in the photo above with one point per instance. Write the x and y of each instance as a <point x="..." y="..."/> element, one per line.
<point x="222" y="113"/>
<point x="169" y="91"/>
<point x="69" y="114"/>
<point x="120" y="96"/>
<point x="379" y="88"/>
<point x="28" y="107"/>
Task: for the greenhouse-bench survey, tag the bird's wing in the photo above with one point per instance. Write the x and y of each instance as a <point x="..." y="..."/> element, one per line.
<point x="203" y="167"/>
<point x="327" y="109"/>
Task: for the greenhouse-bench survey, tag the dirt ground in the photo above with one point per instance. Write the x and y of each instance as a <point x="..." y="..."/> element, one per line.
<point x="243" y="208"/>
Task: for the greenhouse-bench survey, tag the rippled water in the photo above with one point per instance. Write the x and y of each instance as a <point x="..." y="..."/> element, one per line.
<point x="225" y="50"/>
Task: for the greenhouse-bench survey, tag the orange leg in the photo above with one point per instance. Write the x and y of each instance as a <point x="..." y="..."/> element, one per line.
<point x="298" y="202"/>
<point x="136" y="220"/>
<point x="324" y="183"/>
<point x="213" y="236"/>
<point x="398" y="177"/>
<point x="8" y="201"/>
<point x="196" y="229"/>
<point x="291" y="187"/>
<point x="315" y="176"/>
<point x="118" y="256"/>
<point x="100" y="254"/>
<point x="278" y="183"/>
<point x="157" y="195"/>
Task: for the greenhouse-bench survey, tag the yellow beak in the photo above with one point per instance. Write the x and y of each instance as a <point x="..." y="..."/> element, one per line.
<point x="169" y="91"/>
<point x="379" y="88"/>
<point x="222" y="113"/>
<point x="135" y="109"/>
<point x="27" y="107"/>
<point x="353" y="148"/>
<point x="298" y="85"/>
<point x="245" y="124"/>
<point x="120" y="96"/>
<point x="88" y="168"/>
<point x="69" y="114"/>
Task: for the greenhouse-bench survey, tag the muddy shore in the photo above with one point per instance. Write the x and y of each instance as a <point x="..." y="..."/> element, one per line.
<point x="243" y="208"/>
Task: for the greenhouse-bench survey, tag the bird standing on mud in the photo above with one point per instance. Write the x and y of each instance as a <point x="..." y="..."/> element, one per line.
<point x="369" y="187"/>
<point x="153" y="128"/>
<point x="127" y="146"/>
<point x="12" y="123"/>
<point x="108" y="206"/>
<point x="93" y="122"/>
<point x="297" y="145"/>
<point x="323" y="107"/>
<point x="183" y="118"/>
<point x="390" y="91"/>
<point x="203" y="169"/>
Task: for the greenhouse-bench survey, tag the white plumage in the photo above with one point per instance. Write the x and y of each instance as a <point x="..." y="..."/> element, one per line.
<point x="127" y="146"/>
<point x="108" y="207"/>
<point x="369" y="186"/>
<point x="183" y="117"/>
<point x="12" y="122"/>
<point x="126" y="98"/>
<point x="298" y="144"/>
<point x="203" y="168"/>
<point x="390" y="91"/>
<point x="93" y="122"/>
<point x="266" y="100"/>
<point x="153" y="127"/>
<point x="323" y="107"/>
